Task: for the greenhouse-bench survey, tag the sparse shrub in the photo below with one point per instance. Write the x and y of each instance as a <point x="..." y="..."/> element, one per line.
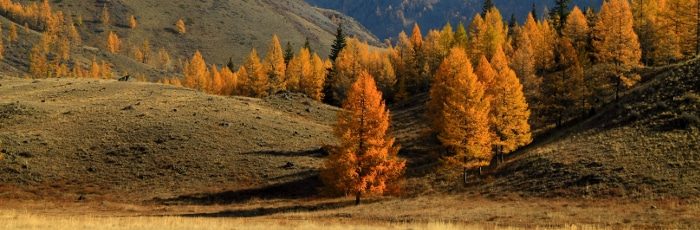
<point x="661" y="105"/>
<point x="687" y="120"/>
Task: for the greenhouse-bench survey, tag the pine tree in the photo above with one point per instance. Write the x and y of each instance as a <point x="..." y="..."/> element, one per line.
<point x="180" y="27"/>
<point x="615" y="43"/>
<point x="560" y="12"/>
<point x="288" y="53"/>
<point x="274" y="66"/>
<point x="366" y="161"/>
<point x="488" y="5"/>
<point x="533" y="12"/>
<point x="338" y="44"/>
<point x="460" y="111"/>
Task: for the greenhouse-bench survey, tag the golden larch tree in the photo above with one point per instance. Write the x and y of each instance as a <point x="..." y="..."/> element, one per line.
<point x="366" y="160"/>
<point x="460" y="112"/>
<point x="2" y="46"/>
<point x="104" y="16"/>
<point x="257" y="83"/>
<point x="274" y="66"/>
<point x="132" y="22"/>
<point x="163" y="59"/>
<point x="576" y="28"/>
<point x="113" y="42"/>
<point x="215" y="81"/>
<point x="12" y="34"/>
<point x="313" y="85"/>
<point x="509" y="112"/>
<point x="565" y="88"/>
<point x="180" y="27"/>
<point x="196" y="73"/>
<point x="615" y="44"/>
<point x="298" y="69"/>
<point x="230" y="82"/>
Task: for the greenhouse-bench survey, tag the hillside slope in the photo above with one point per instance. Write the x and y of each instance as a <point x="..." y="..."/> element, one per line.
<point x="645" y="147"/>
<point x="220" y="29"/>
<point x="125" y="140"/>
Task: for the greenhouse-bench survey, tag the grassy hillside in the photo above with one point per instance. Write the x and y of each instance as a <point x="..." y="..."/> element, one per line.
<point x="219" y="29"/>
<point x="132" y="141"/>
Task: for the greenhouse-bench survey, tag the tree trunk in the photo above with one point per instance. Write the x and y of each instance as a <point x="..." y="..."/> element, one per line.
<point x="464" y="172"/>
<point x="617" y="89"/>
<point x="357" y="198"/>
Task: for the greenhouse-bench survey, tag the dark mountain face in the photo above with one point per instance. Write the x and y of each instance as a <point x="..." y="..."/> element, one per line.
<point x="386" y="18"/>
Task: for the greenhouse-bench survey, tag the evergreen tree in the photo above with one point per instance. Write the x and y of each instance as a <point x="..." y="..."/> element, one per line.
<point x="533" y="12"/>
<point x="288" y="53"/>
<point x="488" y="5"/>
<point x="560" y="12"/>
<point x="338" y="44"/>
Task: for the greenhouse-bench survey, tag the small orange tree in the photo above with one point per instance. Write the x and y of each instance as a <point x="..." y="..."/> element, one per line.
<point x="366" y="161"/>
<point x="180" y="27"/>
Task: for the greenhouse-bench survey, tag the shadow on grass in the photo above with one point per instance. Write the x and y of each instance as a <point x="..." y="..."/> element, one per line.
<point x="319" y="152"/>
<point x="303" y="188"/>
<point x="255" y="212"/>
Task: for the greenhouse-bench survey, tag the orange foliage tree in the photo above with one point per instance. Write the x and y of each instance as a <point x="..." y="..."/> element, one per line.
<point x="460" y="112"/>
<point x="113" y="42"/>
<point x="196" y="73"/>
<point x="616" y="45"/>
<point x="274" y="66"/>
<point x="180" y="27"/>
<point x="366" y="161"/>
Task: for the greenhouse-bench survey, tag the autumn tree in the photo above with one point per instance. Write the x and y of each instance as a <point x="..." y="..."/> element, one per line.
<point x="163" y="59"/>
<point x="366" y="160"/>
<point x="576" y="28"/>
<point x="312" y="85"/>
<point x="615" y="43"/>
<point x="509" y="113"/>
<point x="565" y="88"/>
<point x="257" y="83"/>
<point x="180" y="27"/>
<point x="132" y="22"/>
<point x="685" y="17"/>
<point x="2" y="46"/>
<point x="230" y="83"/>
<point x="459" y="113"/>
<point x="299" y="68"/>
<point x="104" y="16"/>
<point x="274" y="66"/>
<point x="196" y="74"/>
<point x="113" y="42"/>
<point x="12" y="34"/>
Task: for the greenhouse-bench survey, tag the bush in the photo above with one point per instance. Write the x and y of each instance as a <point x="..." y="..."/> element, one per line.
<point x="687" y="120"/>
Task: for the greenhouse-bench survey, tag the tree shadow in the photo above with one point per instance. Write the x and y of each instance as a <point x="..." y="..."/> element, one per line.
<point x="303" y="188"/>
<point x="256" y="212"/>
<point x="319" y="152"/>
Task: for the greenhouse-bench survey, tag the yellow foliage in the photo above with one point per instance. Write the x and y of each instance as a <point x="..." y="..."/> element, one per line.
<point x="113" y="42"/>
<point x="366" y="161"/>
<point x="132" y="22"/>
<point x="180" y="27"/>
